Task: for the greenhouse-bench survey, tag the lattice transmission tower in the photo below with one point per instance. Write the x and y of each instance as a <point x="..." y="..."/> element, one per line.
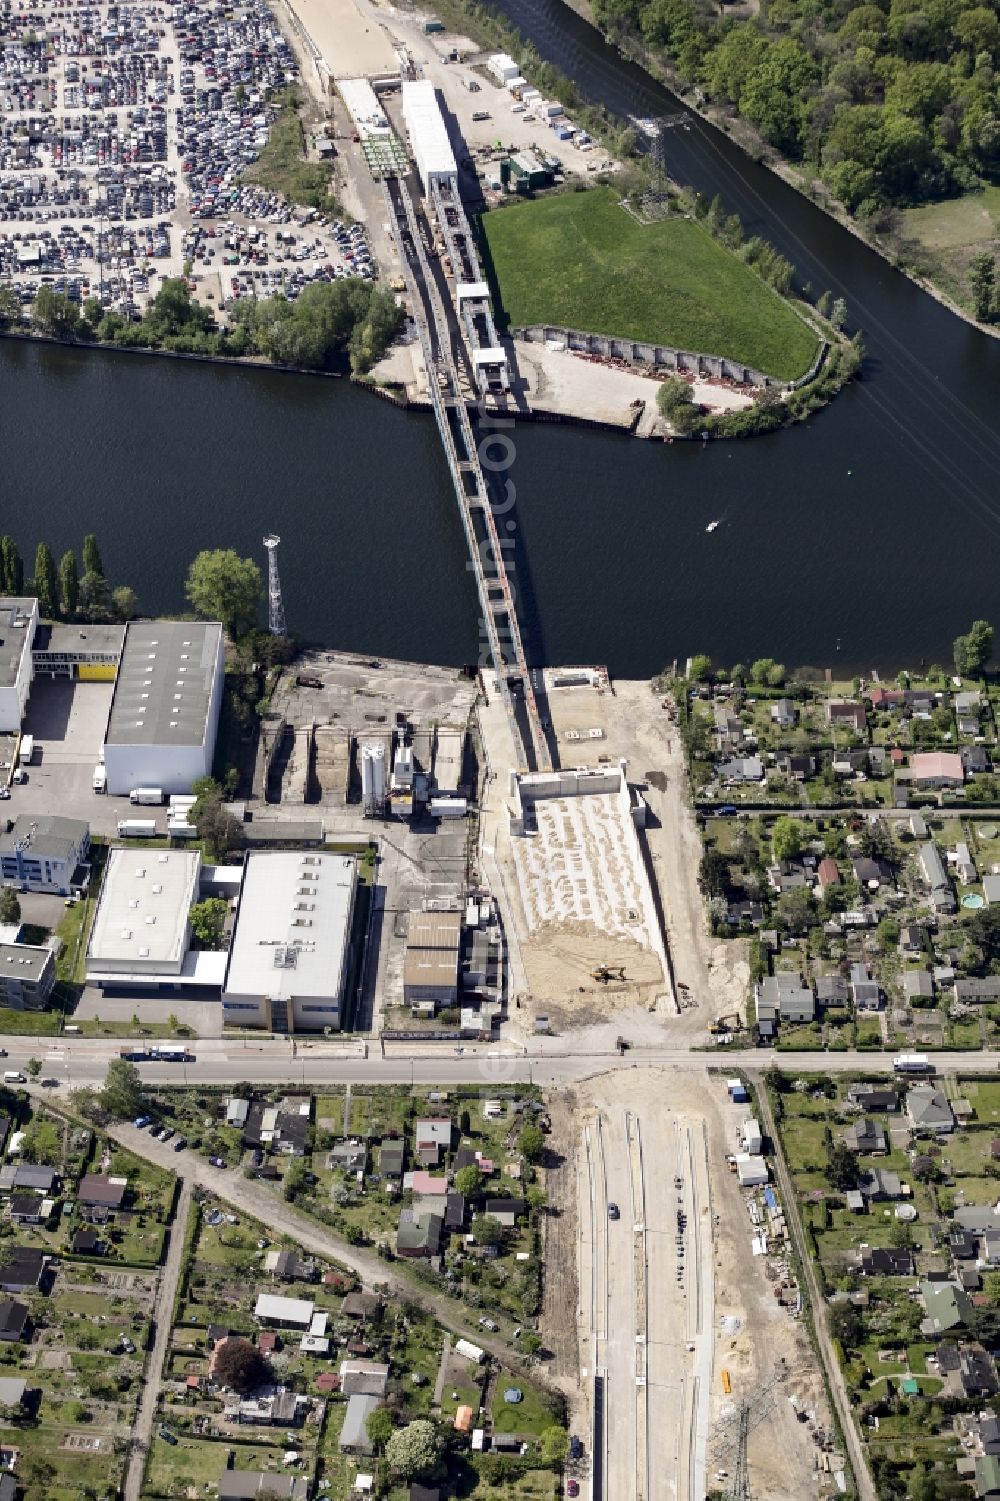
<point x="275" y="608"/>
<point x="732" y="1437"/>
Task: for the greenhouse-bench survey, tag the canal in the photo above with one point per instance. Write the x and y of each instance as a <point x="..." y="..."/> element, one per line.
<point x="865" y="538"/>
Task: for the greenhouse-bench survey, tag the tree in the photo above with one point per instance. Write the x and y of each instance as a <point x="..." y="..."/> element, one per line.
<point x="469" y="1181"/>
<point x="380" y="1427"/>
<point x="91" y="555"/>
<point x="713" y="873"/>
<point x="53" y="313"/>
<point x="982" y="281"/>
<point x="922" y="1486"/>
<point x="845" y="1324"/>
<point x="218" y="828"/>
<point x="208" y="921"/>
<point x="11" y="567"/>
<point x="767" y="672"/>
<point x="972" y="652"/>
<point x="487" y="1230"/>
<point x="786" y="838"/>
<point x="122" y="1095"/>
<point x="531" y="1143"/>
<point x="124" y="602"/>
<point x="225" y="587"/>
<point x="94" y="591"/>
<point x="10" y="305"/>
<point x="240" y="1366"/>
<point x="415" y="1451"/>
<point x="34" y="1068"/>
<point x="530" y="1343"/>
<point x="900" y="1235"/>
<point x="675" y="401"/>
<point x="700" y="668"/>
<point x="553" y="1444"/>
<point x="796" y="910"/>
<point x="45" y="580"/>
<point x="69" y="583"/>
<point x="841" y="1167"/>
<point x="10" y="907"/>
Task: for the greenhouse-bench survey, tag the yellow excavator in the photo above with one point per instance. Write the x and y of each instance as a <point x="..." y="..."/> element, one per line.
<point x="725" y="1024"/>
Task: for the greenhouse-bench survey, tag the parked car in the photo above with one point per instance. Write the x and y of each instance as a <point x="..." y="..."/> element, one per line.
<point x="218" y="1161"/>
<point x="490" y="1324"/>
<point x="572" y="1486"/>
<point x="180" y="1143"/>
<point x="614" y="1213"/>
<point x="142" y="1121"/>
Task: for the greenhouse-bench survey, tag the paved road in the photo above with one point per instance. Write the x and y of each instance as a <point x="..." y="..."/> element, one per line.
<point x="163" y="1310"/>
<point x="550" y="1061"/>
<point x="834" y="1373"/>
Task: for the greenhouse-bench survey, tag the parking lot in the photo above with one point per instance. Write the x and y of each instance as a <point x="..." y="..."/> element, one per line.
<point x="68" y="721"/>
<point x="124" y="134"/>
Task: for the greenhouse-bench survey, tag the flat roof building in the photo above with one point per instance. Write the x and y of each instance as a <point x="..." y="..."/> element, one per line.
<point x="44" y="852"/>
<point x="429" y="140"/>
<point x="18" y="623"/>
<point x="430" y="968"/>
<point x="289" y="955"/>
<point x="165" y="710"/>
<point x="27" y="975"/>
<point x="141" y="926"/>
<point x="90" y="653"/>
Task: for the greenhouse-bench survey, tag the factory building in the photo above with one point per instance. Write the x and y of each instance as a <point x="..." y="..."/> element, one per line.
<point x="290" y="954"/>
<point x="43" y="852"/>
<point x="18" y="623"/>
<point x="165" y="710"/>
<point x="429" y="141"/>
<point x="430" y="968"/>
<point x="88" y="653"/>
<point x="142" y="931"/>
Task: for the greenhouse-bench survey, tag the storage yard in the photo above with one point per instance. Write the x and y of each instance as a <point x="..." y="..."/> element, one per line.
<point x="124" y="136"/>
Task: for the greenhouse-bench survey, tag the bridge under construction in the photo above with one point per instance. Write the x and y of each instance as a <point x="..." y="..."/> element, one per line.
<point x="464" y="362"/>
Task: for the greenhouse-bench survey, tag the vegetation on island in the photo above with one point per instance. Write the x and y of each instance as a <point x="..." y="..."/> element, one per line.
<point x="889" y="106"/>
<point x="325" y="323"/>
<point x="578" y="259"/>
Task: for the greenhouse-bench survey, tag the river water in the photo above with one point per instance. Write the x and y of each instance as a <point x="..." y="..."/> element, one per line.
<point x="866" y="537"/>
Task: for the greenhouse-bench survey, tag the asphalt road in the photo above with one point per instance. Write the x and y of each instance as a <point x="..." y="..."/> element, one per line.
<point x="552" y="1062"/>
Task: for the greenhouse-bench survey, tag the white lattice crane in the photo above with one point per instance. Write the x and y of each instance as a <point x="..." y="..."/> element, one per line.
<point x="275" y="608"/>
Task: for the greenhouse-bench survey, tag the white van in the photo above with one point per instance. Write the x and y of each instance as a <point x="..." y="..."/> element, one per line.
<point x="11" y="1076"/>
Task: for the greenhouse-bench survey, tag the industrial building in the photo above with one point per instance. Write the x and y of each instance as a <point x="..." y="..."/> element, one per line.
<point x="27" y="975"/>
<point x="430" y="968"/>
<point x="88" y="653"/>
<point x="141" y="935"/>
<point x="18" y="623"/>
<point x="429" y="141"/>
<point x="290" y="954"/>
<point x="165" y="710"/>
<point x="44" y="852"/>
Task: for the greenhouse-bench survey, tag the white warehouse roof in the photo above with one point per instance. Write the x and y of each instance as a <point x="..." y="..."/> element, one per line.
<point x="363" y="107"/>
<point x="142" y="912"/>
<point x="428" y="132"/>
<point x="293" y="925"/>
<point x="286" y="1310"/>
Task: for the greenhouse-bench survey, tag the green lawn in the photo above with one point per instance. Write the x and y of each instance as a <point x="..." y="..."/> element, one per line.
<point x="579" y="260"/>
<point x="972" y="219"/>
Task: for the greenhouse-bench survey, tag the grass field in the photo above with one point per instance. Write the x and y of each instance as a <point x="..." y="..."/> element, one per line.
<point x="969" y="220"/>
<point x="579" y="260"/>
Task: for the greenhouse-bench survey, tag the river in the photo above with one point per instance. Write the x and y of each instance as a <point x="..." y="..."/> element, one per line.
<point x="864" y="538"/>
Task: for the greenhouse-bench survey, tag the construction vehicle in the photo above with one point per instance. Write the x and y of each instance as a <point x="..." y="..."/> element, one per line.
<point x="605" y="973"/>
<point x="725" y="1024"/>
<point x="622" y="1044"/>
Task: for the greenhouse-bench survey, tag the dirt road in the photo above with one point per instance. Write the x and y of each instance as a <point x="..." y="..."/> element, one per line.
<point x="163" y="1310"/>
<point x="834" y="1374"/>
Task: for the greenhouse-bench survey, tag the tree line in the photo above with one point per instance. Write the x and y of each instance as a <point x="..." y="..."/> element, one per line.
<point x="328" y="319"/>
<point x="891" y="103"/>
<point x="68" y="590"/>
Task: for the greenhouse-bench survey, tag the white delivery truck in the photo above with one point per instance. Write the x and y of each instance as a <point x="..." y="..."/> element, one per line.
<point x="27" y="752"/>
<point x="137" y="828"/>
<point x="151" y="795"/>
<point x="100" y="778"/>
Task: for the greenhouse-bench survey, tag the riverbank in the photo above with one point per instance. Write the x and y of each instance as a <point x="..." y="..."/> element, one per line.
<point x="748" y="141"/>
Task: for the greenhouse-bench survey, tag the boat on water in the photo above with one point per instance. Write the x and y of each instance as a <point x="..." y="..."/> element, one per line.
<point x="711" y="526"/>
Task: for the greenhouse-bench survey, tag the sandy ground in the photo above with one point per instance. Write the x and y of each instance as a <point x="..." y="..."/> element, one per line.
<point x="556" y="381"/>
<point x="707" y="1300"/>
<point x="353" y="44"/>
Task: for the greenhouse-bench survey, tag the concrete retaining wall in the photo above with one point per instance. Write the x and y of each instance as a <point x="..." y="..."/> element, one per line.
<point x="661" y="356"/>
